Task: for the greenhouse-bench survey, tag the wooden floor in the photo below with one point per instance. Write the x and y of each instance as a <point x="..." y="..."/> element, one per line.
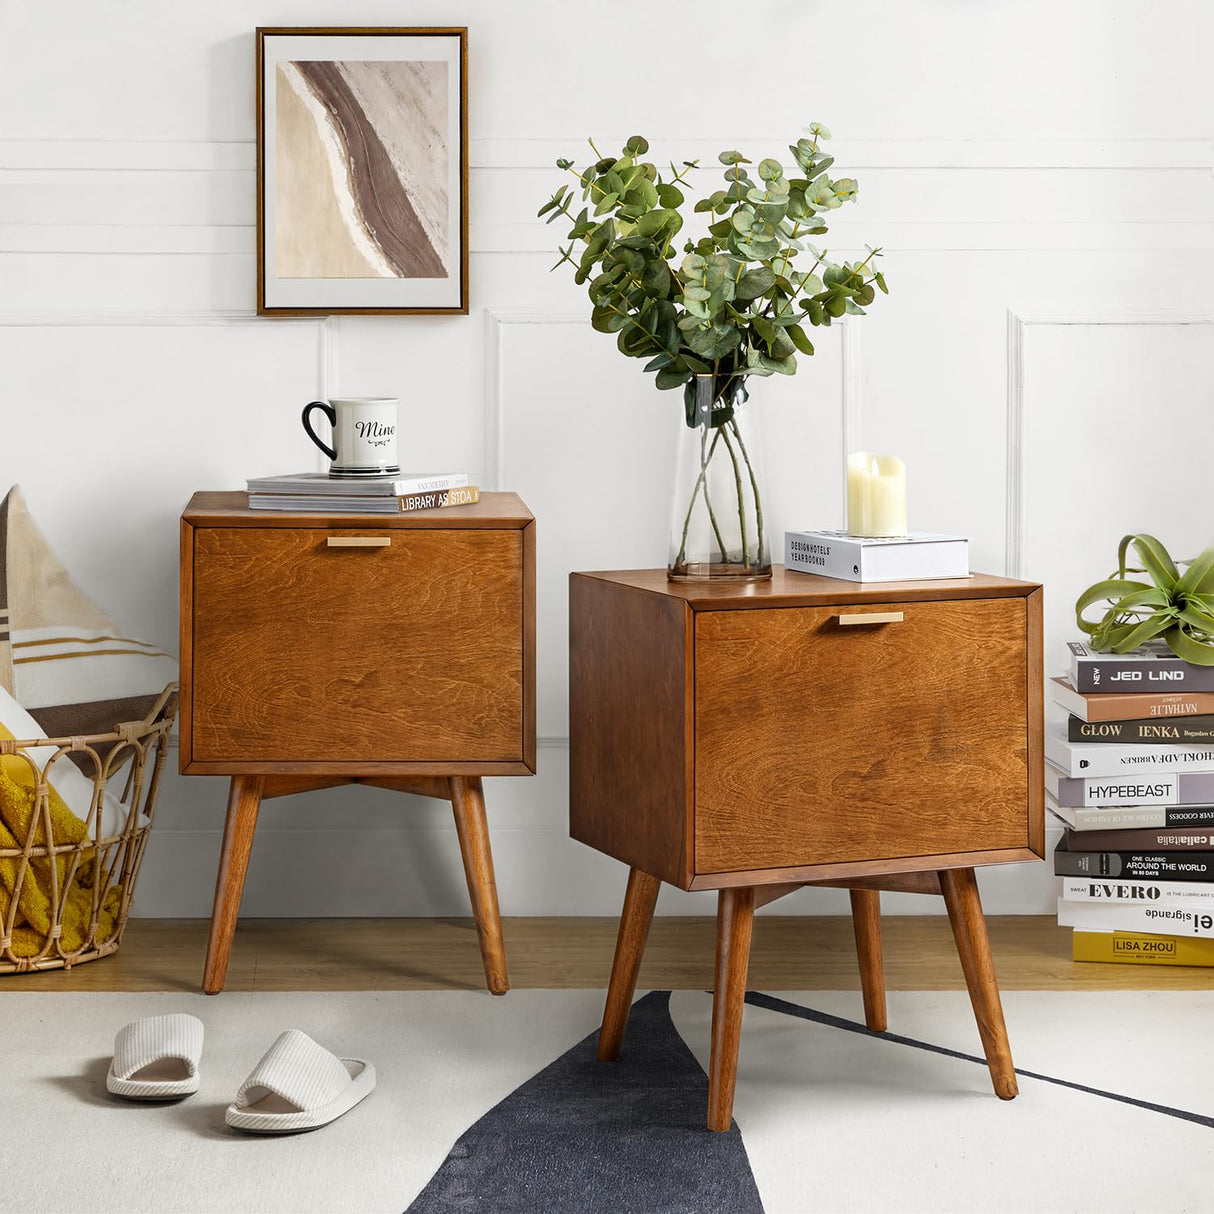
<point x="789" y="953"/>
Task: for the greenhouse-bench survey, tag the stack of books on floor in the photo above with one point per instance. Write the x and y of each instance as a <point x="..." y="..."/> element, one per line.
<point x="1131" y="777"/>
<point x="320" y="493"/>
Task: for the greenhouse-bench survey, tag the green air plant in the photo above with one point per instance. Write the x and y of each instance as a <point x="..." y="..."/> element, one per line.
<point x="1179" y="607"/>
<point x="732" y="303"/>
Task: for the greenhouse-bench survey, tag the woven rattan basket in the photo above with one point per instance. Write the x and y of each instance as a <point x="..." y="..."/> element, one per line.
<point x="65" y="900"/>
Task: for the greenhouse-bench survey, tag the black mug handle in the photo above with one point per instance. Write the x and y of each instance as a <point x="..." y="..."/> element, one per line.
<point x="331" y="414"/>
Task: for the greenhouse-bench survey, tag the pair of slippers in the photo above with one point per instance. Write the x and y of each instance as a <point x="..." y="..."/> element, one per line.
<point x="297" y="1085"/>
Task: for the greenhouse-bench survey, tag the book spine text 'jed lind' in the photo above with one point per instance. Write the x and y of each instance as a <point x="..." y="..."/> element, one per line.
<point x="1099" y="672"/>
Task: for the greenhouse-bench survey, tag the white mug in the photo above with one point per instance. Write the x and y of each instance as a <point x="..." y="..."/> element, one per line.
<point x="364" y="435"/>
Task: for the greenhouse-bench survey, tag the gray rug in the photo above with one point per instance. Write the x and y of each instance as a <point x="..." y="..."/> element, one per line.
<point x="602" y="1138"/>
<point x="498" y="1104"/>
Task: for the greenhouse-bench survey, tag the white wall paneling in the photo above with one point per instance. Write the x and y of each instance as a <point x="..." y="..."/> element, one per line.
<point x="135" y="372"/>
<point x="1148" y="409"/>
<point x="1104" y="438"/>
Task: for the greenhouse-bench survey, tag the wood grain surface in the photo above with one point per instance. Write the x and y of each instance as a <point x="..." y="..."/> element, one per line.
<point x="817" y="744"/>
<point x="735" y="922"/>
<point x="866" y="923"/>
<point x="244" y="802"/>
<point x="1035" y="645"/>
<point x="973" y="948"/>
<point x="853" y="873"/>
<point x="640" y="898"/>
<point x="306" y="653"/>
<point x="472" y="826"/>
<point x="788" y="953"/>
<point x="630" y="747"/>
<point x="790" y="589"/>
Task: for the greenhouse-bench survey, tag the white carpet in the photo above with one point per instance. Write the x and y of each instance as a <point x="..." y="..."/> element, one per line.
<point x="831" y="1120"/>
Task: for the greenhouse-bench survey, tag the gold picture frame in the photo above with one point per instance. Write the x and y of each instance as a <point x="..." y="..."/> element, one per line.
<point x="362" y="171"/>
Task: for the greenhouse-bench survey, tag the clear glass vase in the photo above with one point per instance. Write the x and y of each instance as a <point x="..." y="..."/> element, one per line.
<point x="717" y="529"/>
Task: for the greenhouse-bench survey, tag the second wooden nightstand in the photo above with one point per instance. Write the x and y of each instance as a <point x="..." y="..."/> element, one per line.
<point x="756" y="738"/>
<point x="327" y="650"/>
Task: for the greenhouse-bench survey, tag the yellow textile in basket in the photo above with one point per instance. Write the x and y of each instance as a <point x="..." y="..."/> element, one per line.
<point x="32" y="924"/>
<point x="27" y="942"/>
<point x="66" y="826"/>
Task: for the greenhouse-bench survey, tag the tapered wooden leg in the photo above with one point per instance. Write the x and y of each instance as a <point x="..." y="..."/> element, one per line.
<point x="960" y="891"/>
<point x="735" y="918"/>
<point x="468" y="802"/>
<point x="639" y="900"/>
<point x="866" y="922"/>
<point x="244" y="800"/>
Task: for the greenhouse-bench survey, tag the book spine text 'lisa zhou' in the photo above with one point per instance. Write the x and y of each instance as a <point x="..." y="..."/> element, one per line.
<point x="1141" y="948"/>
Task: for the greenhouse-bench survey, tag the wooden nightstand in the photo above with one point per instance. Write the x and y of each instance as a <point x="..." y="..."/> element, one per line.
<point x="756" y="738"/>
<point x="347" y="649"/>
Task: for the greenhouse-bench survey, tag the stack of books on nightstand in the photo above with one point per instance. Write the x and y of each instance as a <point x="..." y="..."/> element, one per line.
<point x="889" y="558"/>
<point x="1131" y="776"/>
<point x="320" y="493"/>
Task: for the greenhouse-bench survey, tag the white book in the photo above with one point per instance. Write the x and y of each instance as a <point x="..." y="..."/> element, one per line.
<point x="899" y="558"/>
<point x="1132" y="817"/>
<point x="302" y="504"/>
<point x="322" y="484"/>
<point x="1083" y="791"/>
<point x="1165" y="920"/>
<point x="1118" y="759"/>
<point x="1101" y="890"/>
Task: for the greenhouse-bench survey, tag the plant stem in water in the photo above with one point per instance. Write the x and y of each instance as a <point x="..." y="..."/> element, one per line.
<point x="754" y="485"/>
<point x="737" y="476"/>
<point x="704" y="461"/>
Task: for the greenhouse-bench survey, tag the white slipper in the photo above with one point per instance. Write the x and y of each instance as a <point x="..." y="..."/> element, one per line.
<point x="156" y="1058"/>
<point x="298" y="1085"/>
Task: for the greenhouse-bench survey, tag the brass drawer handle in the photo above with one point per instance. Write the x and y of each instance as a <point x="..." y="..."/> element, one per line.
<point x="360" y="541"/>
<point x="870" y="617"/>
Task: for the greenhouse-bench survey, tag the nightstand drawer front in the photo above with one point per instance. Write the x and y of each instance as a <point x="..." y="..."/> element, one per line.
<point x="312" y="651"/>
<point x="824" y="741"/>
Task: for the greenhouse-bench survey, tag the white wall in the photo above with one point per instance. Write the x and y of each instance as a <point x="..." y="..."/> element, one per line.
<point x="1038" y="174"/>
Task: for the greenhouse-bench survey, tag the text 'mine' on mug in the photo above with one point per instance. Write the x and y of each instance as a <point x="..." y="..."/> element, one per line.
<point x="364" y="435"/>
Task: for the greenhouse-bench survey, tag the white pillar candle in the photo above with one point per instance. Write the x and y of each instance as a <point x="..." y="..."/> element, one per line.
<point x="876" y="494"/>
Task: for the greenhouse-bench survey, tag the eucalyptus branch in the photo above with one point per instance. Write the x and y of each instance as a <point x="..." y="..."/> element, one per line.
<point x="705" y="304"/>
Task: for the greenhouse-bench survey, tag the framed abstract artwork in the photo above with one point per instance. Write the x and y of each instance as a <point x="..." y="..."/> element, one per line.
<point x="362" y="171"/>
